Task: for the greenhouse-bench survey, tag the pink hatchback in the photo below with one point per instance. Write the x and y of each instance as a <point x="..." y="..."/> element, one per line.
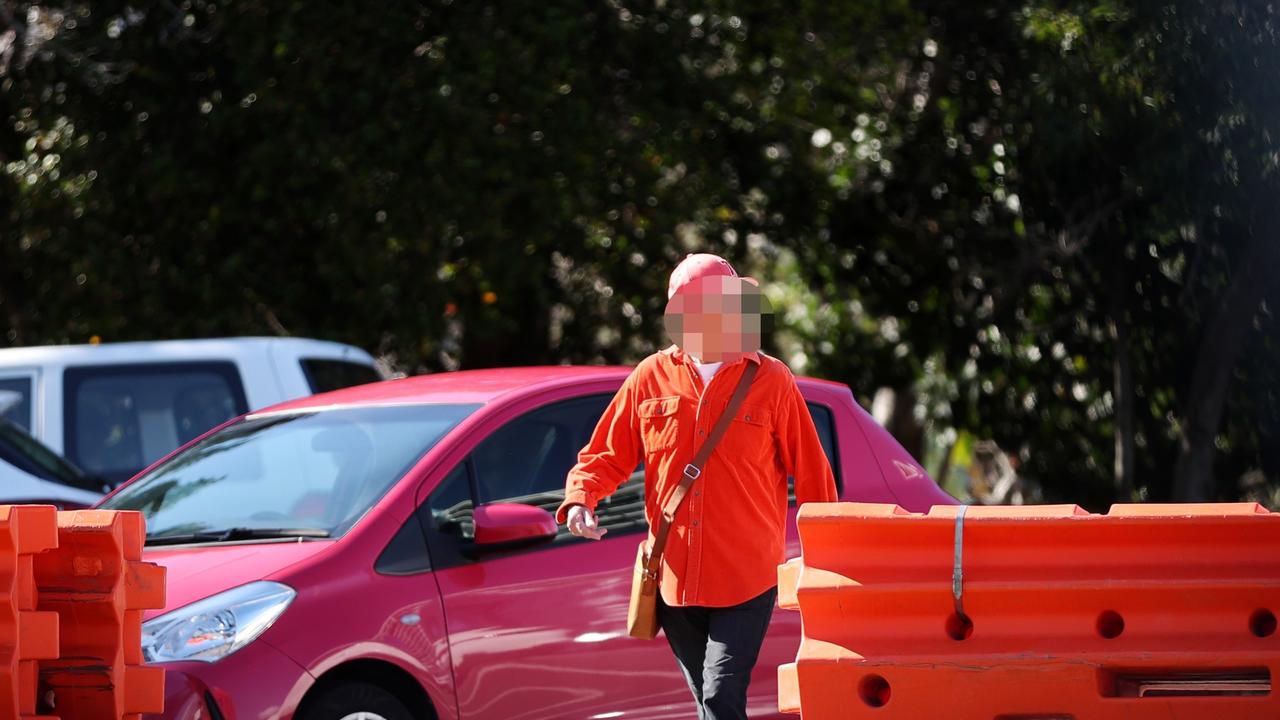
<point x="387" y="552"/>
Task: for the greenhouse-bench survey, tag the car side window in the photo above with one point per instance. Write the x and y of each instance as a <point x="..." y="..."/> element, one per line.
<point x="525" y="461"/>
<point x="325" y="375"/>
<point x="824" y="422"/>
<point x="15" y="401"/>
<point x="450" y="507"/>
<point x="121" y="418"/>
<point x="407" y="553"/>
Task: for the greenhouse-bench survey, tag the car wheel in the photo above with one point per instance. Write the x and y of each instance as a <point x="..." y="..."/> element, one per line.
<point x="355" y="701"/>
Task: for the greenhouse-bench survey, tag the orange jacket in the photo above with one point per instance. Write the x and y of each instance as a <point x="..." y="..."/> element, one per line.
<point x="728" y="536"/>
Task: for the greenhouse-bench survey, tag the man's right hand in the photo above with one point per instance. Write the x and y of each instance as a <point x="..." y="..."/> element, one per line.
<point x="582" y="522"/>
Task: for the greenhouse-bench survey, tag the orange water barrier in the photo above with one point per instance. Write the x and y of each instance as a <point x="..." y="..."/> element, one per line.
<point x="71" y="619"/>
<point x="1034" y="613"/>
<point x="27" y="635"/>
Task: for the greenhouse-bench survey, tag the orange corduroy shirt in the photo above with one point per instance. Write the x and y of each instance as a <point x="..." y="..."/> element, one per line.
<point x="729" y="534"/>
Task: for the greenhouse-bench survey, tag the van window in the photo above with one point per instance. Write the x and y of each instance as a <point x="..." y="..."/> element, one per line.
<point x="121" y="418"/>
<point x="18" y="413"/>
<point x="326" y="375"/>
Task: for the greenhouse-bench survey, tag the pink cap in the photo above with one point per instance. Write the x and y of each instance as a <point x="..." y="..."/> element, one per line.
<point x="695" y="267"/>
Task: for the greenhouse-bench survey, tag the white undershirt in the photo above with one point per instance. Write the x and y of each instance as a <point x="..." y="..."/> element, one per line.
<point x="707" y="370"/>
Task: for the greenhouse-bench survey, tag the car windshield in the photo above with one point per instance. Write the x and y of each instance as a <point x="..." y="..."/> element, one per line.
<point x="315" y="472"/>
<point x="29" y="455"/>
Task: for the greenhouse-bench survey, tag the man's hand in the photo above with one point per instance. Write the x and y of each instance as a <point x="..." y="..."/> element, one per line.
<point x="582" y="522"/>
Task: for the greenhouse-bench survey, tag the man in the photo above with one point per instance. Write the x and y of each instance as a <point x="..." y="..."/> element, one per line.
<point x="718" y="580"/>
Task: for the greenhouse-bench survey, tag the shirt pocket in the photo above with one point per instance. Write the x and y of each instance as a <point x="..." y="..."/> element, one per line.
<point x="752" y="430"/>
<point x="659" y="427"/>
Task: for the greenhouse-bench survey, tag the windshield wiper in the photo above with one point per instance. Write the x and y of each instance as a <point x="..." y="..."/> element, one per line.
<point x="237" y="533"/>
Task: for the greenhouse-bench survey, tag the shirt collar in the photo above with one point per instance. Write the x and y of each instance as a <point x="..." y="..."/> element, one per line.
<point x="680" y="356"/>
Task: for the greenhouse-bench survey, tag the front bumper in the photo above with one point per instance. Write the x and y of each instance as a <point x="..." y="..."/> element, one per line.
<point x="256" y="682"/>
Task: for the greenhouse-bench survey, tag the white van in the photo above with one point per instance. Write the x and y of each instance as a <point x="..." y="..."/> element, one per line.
<point x="113" y="409"/>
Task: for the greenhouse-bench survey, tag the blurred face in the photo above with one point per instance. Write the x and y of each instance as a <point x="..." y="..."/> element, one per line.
<point x="718" y="319"/>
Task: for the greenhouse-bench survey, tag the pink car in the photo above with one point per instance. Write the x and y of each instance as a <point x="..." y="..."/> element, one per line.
<point x="388" y="552"/>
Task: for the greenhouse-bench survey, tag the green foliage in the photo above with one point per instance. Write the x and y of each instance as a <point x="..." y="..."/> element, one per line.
<point x="989" y="204"/>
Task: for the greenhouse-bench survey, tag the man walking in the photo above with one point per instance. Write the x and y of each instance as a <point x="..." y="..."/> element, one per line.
<point x="718" y="571"/>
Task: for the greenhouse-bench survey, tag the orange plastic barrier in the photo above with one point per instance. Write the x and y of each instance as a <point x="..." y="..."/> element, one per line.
<point x="1035" y="613"/>
<point x="98" y="587"/>
<point x="26" y="635"/>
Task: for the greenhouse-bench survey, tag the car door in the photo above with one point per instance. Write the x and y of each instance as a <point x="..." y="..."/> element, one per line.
<point x="538" y="632"/>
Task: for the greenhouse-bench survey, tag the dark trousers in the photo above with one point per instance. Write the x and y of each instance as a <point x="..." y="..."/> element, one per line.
<point x="716" y="649"/>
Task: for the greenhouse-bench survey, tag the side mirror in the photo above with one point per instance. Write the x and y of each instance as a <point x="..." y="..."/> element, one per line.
<point x="511" y="523"/>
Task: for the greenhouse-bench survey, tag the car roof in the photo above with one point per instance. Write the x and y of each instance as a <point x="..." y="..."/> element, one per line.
<point x="469" y="386"/>
<point x="462" y="386"/>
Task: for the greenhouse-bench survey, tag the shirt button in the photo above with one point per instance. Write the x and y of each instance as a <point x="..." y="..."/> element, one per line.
<point x="697" y="493"/>
<point x="695" y="523"/>
<point x="702" y="433"/>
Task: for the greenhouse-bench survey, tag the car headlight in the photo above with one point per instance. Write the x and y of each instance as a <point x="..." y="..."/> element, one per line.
<point x="217" y="626"/>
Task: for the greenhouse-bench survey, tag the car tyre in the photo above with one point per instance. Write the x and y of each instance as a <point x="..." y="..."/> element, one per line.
<point x="355" y="701"/>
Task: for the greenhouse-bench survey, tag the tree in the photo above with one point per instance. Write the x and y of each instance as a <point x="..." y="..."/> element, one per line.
<point x="1043" y="224"/>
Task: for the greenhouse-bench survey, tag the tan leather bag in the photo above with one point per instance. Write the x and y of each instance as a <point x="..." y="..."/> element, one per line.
<point x="642" y="612"/>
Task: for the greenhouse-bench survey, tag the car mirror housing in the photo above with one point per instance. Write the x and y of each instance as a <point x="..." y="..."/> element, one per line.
<point x="509" y="523"/>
